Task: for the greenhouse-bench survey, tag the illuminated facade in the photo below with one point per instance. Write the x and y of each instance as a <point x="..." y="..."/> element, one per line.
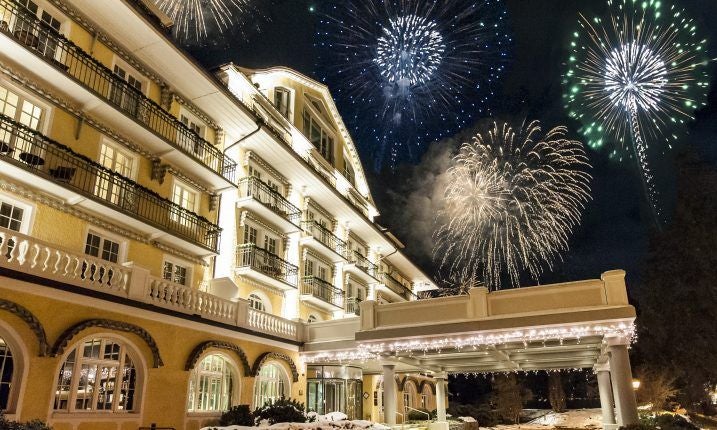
<point x="174" y="241"/>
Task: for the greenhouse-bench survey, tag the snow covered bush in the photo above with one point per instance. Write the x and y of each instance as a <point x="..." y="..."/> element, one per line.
<point x="282" y="410"/>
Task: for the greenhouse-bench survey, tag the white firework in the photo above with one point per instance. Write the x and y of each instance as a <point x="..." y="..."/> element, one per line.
<point x="511" y="203"/>
<point x="194" y="20"/>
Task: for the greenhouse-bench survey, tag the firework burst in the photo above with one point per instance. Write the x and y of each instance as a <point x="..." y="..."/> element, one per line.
<point x="511" y="202"/>
<point x="196" y="20"/>
<point x="415" y="70"/>
<point x="634" y="77"/>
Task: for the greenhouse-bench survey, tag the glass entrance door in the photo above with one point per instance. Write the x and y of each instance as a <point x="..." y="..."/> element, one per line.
<point x="335" y="390"/>
<point x="315" y="397"/>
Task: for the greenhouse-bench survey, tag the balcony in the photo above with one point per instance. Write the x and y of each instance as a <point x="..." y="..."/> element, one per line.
<point x="262" y="266"/>
<point x="49" y="54"/>
<point x="394" y="288"/>
<point x="361" y="266"/>
<point x="322" y="240"/>
<point x="42" y="163"/>
<point x="321" y="294"/>
<point x="259" y="198"/>
<point x="352" y="306"/>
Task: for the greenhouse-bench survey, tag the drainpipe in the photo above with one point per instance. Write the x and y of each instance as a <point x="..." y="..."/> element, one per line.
<point x="259" y="124"/>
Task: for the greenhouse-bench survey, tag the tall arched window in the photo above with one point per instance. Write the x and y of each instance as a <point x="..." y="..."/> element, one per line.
<point x="410" y="393"/>
<point x="271" y="383"/>
<point x="212" y="385"/>
<point x="97" y="375"/>
<point x="7" y="367"/>
<point x="426" y="398"/>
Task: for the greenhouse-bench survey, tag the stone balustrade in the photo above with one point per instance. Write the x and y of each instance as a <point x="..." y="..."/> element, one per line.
<point x="25" y="254"/>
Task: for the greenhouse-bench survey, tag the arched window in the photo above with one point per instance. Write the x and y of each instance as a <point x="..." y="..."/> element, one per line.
<point x="426" y="398"/>
<point x="410" y="392"/>
<point x="97" y="375"/>
<point x="271" y="383"/>
<point x="258" y="302"/>
<point x="312" y="318"/>
<point x="7" y="368"/>
<point x="212" y="385"/>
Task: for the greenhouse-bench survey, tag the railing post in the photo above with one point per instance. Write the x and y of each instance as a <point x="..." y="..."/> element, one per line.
<point x="368" y="314"/>
<point x="242" y="313"/>
<point x="478" y="305"/>
<point x="138" y="282"/>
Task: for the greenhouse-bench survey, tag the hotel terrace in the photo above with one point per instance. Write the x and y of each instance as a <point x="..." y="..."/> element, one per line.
<point x="175" y="241"/>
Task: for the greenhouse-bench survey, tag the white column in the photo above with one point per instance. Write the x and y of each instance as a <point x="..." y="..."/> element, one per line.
<point x="606" y="398"/>
<point x="389" y="394"/>
<point x="441" y="397"/>
<point x="621" y="376"/>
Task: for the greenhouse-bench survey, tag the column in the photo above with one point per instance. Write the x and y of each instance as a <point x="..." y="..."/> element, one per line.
<point x="621" y="376"/>
<point x="606" y="398"/>
<point x="389" y="394"/>
<point x="441" y="421"/>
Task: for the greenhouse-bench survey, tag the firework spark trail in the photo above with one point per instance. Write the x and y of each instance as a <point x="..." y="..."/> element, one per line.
<point x="415" y="70"/>
<point x="633" y="76"/>
<point x="511" y="203"/>
<point x="194" y="20"/>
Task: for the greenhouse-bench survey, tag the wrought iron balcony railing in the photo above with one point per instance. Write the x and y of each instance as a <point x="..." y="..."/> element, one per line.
<point x="317" y="287"/>
<point x="19" y="23"/>
<point x="362" y="263"/>
<point x="258" y="259"/>
<point x="325" y="236"/>
<point x="394" y="285"/>
<point x="33" y="152"/>
<point x="254" y="187"/>
<point x="352" y="306"/>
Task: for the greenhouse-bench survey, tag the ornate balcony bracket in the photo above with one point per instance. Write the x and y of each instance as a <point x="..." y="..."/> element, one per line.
<point x="159" y="170"/>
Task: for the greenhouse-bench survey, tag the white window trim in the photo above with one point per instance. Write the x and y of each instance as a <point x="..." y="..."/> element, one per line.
<point x="123" y="242"/>
<point x="292" y="101"/>
<point x="65" y="23"/>
<point x="236" y="382"/>
<point x="268" y="308"/>
<point x="197" y="193"/>
<point x="104" y="140"/>
<point x="183" y="263"/>
<point x="29" y="211"/>
<point x="21" y="366"/>
<point x="140" y="365"/>
<point x="287" y="380"/>
<point x="47" y="110"/>
<point x="118" y="61"/>
<point x="195" y="119"/>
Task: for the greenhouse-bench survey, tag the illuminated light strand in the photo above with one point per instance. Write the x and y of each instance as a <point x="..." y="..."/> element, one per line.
<point x="511" y="202"/>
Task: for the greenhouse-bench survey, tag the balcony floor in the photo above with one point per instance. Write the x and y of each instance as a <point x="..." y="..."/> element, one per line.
<point x="320" y="303"/>
<point x="263" y="211"/>
<point x="262" y="278"/>
<point x="321" y="249"/>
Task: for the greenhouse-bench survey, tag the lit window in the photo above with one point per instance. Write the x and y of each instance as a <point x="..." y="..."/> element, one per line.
<point x="126" y="96"/>
<point x="321" y="140"/>
<point x="250" y="234"/>
<point x="256" y="302"/>
<point x="7" y="367"/>
<point x="409" y="397"/>
<point x="211" y="386"/>
<point x="270" y="244"/>
<point x="282" y="100"/>
<point x="108" y="188"/>
<point x="185" y="198"/>
<point x="176" y="273"/>
<point x="271" y="384"/>
<point x="98" y="375"/>
<point x="24" y="111"/>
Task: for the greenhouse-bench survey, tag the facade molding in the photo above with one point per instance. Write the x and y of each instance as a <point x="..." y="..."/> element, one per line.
<point x="196" y="111"/>
<point x="66" y="337"/>
<point x="32" y="322"/>
<point x="267" y="356"/>
<point x="251" y="156"/>
<point x="200" y="349"/>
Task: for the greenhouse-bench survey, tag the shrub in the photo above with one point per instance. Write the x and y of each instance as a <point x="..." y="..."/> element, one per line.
<point x="5" y="424"/>
<point x="282" y="410"/>
<point x="662" y="422"/>
<point x="239" y="415"/>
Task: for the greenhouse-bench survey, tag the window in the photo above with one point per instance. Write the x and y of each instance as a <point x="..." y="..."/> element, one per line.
<point x="349" y="170"/>
<point x="256" y="302"/>
<point x="426" y="398"/>
<point x="308" y="268"/>
<point x="12" y="215"/>
<point x="121" y="162"/>
<point x="312" y="318"/>
<point x="102" y="247"/>
<point x="190" y="140"/>
<point x="192" y="125"/>
<point x="323" y="273"/>
<point x="282" y="100"/>
<point x="174" y="272"/>
<point x="321" y="140"/>
<point x="186" y="198"/>
<point x="271" y="384"/>
<point x="24" y="111"/>
<point x="41" y="40"/>
<point x="98" y="375"/>
<point x="250" y="234"/>
<point x="212" y="385"/>
<point x="270" y="244"/>
<point x="409" y="397"/>
<point x="7" y="367"/>
<point x="355" y="291"/>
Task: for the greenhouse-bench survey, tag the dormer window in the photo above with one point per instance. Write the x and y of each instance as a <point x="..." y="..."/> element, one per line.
<point x="282" y="101"/>
<point x="319" y="137"/>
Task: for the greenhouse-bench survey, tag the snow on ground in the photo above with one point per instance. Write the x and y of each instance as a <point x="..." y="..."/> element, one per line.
<point x="573" y="419"/>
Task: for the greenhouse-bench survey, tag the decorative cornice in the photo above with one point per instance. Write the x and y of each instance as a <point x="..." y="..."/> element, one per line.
<point x="61" y="206"/>
<point x="251" y="156"/>
<point x="275" y="356"/>
<point x="66" y="337"/>
<point x="191" y="107"/>
<point x="200" y="349"/>
<point x="315" y="256"/>
<point x="255" y="219"/>
<point x="32" y="322"/>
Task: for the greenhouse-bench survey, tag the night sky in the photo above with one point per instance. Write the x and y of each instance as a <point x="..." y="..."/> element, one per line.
<point x="616" y="225"/>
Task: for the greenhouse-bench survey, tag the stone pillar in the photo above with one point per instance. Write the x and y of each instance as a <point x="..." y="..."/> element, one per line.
<point x="389" y="394"/>
<point x="606" y="398"/>
<point x="621" y="377"/>
<point x="441" y="421"/>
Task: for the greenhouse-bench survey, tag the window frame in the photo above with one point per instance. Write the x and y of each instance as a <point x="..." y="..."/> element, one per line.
<point x="131" y="71"/>
<point x="196" y="374"/>
<point x="192" y="119"/>
<point x="104" y="235"/>
<point x="284" y="376"/>
<point x="268" y="308"/>
<point x="21" y="364"/>
<point x="175" y="262"/>
<point x="47" y="110"/>
<point x="289" y="104"/>
<point x="28" y="217"/>
<point x="129" y="349"/>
